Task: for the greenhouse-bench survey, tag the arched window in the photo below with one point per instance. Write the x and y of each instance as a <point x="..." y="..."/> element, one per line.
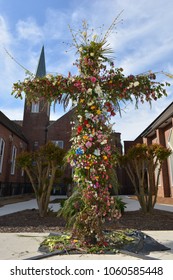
<point x="2" y="147"/>
<point x="13" y="160"/>
<point x="35" y="107"/>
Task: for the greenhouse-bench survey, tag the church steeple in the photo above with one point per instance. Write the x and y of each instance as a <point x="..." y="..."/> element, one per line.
<point x="41" y="68"/>
<point x="36" y="115"/>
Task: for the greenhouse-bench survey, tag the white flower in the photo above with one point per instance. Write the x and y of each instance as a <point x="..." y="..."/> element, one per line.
<point x="79" y="117"/>
<point x="136" y="84"/>
<point x="97" y="152"/>
<point x="84" y="33"/>
<point x="88" y="115"/>
<point x="98" y="89"/>
<point x="94" y="37"/>
<point x="80" y="49"/>
<point x="90" y="103"/>
<point x="104" y="142"/>
<point x="91" y="54"/>
<point x="89" y="90"/>
<point x="49" y="76"/>
<point x="71" y="79"/>
<point x="74" y="102"/>
<point x="130" y="85"/>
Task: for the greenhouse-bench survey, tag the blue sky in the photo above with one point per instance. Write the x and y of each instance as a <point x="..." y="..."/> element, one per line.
<point x="142" y="41"/>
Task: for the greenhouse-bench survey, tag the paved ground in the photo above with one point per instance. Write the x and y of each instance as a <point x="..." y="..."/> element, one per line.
<point x="30" y="204"/>
<point x="16" y="246"/>
<point x="131" y="205"/>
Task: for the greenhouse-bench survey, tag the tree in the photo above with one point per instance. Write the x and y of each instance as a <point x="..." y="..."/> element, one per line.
<point x="97" y="93"/>
<point x="42" y="167"/>
<point x="143" y="165"/>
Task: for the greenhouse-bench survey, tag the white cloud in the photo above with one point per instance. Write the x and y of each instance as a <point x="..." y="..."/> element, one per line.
<point x="29" y="30"/>
<point x="5" y="37"/>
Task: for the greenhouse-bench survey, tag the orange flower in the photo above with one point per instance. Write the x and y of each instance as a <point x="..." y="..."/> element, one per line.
<point x="93" y="107"/>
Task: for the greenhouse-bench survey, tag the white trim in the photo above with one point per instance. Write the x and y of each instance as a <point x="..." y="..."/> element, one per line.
<point x="13" y="160"/>
<point x="2" y="148"/>
<point x="170" y="144"/>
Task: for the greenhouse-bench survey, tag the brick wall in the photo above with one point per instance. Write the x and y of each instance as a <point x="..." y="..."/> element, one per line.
<point x="35" y="126"/>
<point x="11" y="140"/>
<point x="61" y="130"/>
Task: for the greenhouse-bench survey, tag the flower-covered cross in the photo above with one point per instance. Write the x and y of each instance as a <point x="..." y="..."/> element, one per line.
<point x="96" y="93"/>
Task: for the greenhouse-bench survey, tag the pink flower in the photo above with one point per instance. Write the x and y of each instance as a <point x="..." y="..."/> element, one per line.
<point x="88" y="144"/>
<point x="78" y="84"/>
<point x="93" y="79"/>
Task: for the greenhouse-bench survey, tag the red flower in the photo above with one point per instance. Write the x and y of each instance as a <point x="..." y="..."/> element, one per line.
<point x="113" y="113"/>
<point x="79" y="129"/>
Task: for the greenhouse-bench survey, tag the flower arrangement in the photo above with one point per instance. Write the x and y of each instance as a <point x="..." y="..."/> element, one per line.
<point x="96" y="92"/>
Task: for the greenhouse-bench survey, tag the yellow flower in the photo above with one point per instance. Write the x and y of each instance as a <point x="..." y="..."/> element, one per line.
<point x="87" y="167"/>
<point x="75" y="240"/>
<point x="98" y="112"/>
<point x="85" y="137"/>
<point x="82" y="100"/>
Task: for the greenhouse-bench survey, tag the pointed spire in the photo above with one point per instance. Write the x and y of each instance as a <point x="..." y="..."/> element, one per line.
<point x="41" y="68"/>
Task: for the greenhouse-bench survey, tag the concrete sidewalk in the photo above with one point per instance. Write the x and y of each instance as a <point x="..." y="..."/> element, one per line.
<point x="131" y="205"/>
<point x="20" y="246"/>
<point x="30" y="204"/>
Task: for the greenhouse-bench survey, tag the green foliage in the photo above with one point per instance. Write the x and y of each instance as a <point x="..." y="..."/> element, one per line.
<point x="143" y="165"/>
<point x="119" y="204"/>
<point x="25" y="159"/>
<point x="56" y="242"/>
<point x="143" y="152"/>
<point x="71" y="208"/>
<point x="43" y="168"/>
<point x="114" y="240"/>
